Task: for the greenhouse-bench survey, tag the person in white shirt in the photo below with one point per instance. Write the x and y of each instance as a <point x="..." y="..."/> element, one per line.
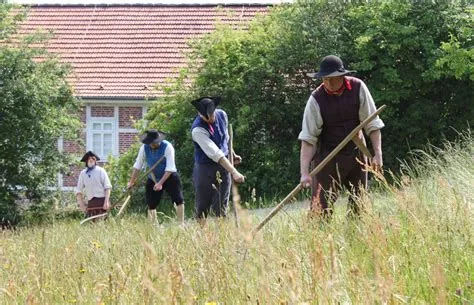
<point x="96" y="184"/>
<point x="163" y="177"/>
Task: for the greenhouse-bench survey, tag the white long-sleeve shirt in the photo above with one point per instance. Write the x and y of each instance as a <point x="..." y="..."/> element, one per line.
<point x="169" y="155"/>
<point x="94" y="183"/>
<point x="313" y="121"/>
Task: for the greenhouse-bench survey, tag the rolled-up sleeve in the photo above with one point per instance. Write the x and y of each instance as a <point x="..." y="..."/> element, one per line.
<point x="140" y="158"/>
<point x="202" y="138"/>
<point x="367" y="107"/>
<point x="169" y="155"/>
<point x="312" y="122"/>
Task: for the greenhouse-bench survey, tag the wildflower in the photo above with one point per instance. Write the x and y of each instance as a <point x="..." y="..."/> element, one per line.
<point x="96" y="244"/>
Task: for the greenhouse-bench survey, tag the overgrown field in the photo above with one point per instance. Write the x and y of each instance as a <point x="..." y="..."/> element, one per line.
<point x="413" y="244"/>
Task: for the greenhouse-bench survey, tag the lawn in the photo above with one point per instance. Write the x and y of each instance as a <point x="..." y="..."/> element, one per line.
<point x="412" y="245"/>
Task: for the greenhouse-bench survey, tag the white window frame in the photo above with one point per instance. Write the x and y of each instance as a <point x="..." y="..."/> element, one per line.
<point x="114" y="133"/>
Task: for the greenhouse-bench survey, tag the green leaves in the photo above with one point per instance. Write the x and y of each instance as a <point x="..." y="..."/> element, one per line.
<point x="416" y="57"/>
<point x="455" y="60"/>
<point x="37" y="108"/>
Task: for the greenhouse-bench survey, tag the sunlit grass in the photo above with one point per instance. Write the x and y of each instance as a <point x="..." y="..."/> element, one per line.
<point x="413" y="244"/>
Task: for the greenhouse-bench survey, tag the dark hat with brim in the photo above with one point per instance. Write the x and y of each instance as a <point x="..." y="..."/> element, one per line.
<point x="89" y="154"/>
<point x="331" y="66"/>
<point x="206" y="105"/>
<point x="152" y="136"/>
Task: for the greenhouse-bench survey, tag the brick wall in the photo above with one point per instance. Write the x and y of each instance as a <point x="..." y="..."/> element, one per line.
<point x="71" y="146"/>
<point x="74" y="147"/>
<point x="102" y="111"/>
<point x="70" y="179"/>
<point x="128" y="114"/>
<point x="126" y="139"/>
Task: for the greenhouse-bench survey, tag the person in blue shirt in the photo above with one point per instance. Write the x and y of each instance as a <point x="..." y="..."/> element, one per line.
<point x="163" y="177"/>
<point x="210" y="137"/>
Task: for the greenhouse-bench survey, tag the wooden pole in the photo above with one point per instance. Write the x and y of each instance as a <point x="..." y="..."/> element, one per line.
<point x="361" y="145"/>
<point x="94" y="217"/>
<point x="124" y="205"/>
<point x="318" y="168"/>
<point x="235" y="191"/>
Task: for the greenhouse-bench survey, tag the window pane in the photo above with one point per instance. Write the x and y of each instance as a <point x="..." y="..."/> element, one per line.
<point x="97" y="126"/>
<point x="96" y="143"/>
<point x="107" y="126"/>
<point x="102" y="133"/>
<point x="107" y="144"/>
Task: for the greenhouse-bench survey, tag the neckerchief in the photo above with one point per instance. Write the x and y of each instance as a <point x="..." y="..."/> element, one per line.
<point x="345" y="85"/>
<point x="211" y="129"/>
<point x="89" y="169"/>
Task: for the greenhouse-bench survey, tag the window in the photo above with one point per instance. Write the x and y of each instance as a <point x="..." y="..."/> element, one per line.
<point x="101" y="137"/>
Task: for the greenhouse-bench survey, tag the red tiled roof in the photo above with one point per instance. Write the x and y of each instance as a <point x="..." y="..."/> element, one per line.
<point x="123" y="51"/>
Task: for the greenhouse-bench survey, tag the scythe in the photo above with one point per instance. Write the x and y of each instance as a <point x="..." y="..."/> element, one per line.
<point x="235" y="191"/>
<point x="353" y="136"/>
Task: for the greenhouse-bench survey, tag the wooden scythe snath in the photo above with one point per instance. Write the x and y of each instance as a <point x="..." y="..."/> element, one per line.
<point x="353" y="136"/>
<point x="124" y="204"/>
<point x="127" y="194"/>
<point x="94" y="217"/>
<point x="235" y="191"/>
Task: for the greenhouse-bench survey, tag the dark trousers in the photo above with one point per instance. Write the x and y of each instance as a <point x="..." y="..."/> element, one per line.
<point x="172" y="186"/>
<point x="343" y="171"/>
<point x="95" y="207"/>
<point x="211" y="195"/>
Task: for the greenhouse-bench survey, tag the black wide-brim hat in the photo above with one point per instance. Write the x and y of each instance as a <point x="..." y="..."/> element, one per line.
<point x="152" y="136"/>
<point x="89" y="154"/>
<point x="206" y="105"/>
<point x="330" y="66"/>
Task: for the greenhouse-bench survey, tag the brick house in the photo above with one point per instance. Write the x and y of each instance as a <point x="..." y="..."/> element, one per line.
<point x="119" y="53"/>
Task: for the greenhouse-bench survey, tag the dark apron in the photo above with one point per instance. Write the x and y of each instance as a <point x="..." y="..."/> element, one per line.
<point x="342" y="171"/>
<point x="95" y="207"/>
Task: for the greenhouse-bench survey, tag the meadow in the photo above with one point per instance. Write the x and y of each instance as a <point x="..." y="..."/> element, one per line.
<point x="413" y="244"/>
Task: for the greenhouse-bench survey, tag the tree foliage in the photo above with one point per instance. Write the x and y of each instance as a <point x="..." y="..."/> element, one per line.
<point x="416" y="57"/>
<point x="37" y="107"/>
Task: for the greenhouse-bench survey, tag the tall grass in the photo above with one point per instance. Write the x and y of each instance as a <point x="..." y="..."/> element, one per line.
<point x="412" y="245"/>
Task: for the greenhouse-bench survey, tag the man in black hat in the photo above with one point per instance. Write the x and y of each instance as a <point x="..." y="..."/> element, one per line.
<point x="95" y="181"/>
<point x="163" y="177"/>
<point x="333" y="110"/>
<point x="212" y="170"/>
